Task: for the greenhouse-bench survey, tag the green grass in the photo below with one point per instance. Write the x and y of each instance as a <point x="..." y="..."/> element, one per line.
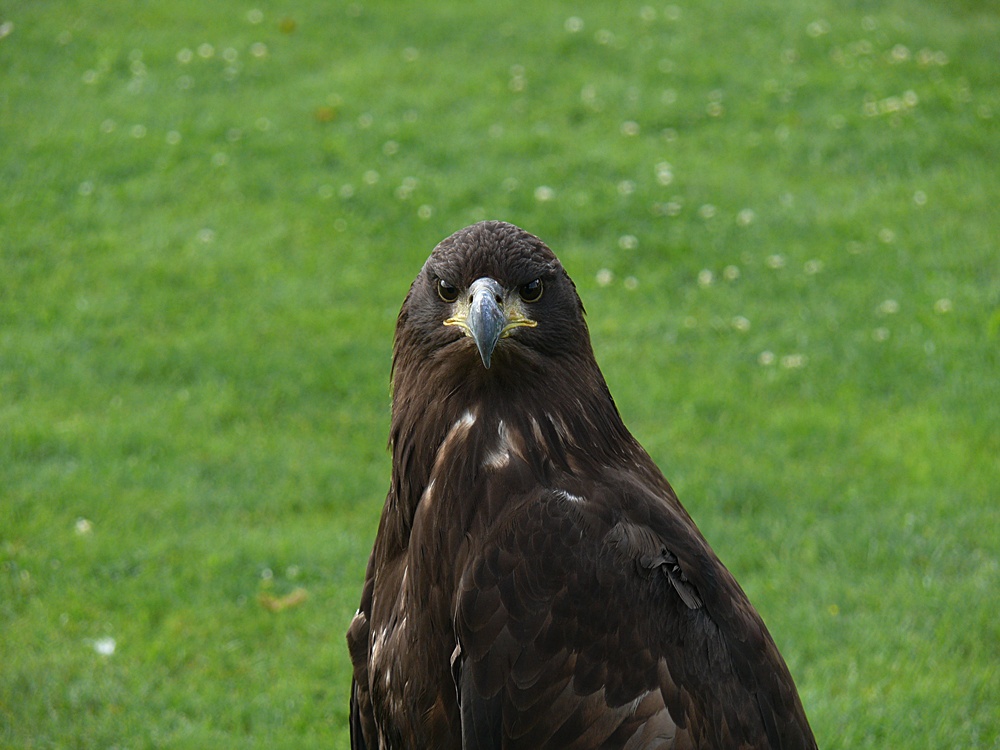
<point x="209" y="217"/>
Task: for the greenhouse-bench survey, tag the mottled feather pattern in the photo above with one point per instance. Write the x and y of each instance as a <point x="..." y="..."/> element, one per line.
<point x="534" y="581"/>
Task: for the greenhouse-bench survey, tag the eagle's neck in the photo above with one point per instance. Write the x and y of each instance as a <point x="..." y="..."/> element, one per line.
<point x="559" y="421"/>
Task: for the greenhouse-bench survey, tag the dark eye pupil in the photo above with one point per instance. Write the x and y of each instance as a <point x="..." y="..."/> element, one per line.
<point x="446" y="291"/>
<point x="531" y="291"/>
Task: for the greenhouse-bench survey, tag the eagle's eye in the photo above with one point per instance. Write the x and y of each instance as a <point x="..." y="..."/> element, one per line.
<point x="532" y="291"/>
<point x="446" y="291"/>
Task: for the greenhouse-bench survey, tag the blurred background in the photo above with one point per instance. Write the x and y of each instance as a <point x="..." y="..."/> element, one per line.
<point x="781" y="217"/>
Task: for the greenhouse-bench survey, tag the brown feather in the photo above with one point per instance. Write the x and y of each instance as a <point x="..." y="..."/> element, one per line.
<point x="535" y="582"/>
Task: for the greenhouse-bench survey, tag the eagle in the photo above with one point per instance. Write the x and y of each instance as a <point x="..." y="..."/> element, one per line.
<point x="534" y="580"/>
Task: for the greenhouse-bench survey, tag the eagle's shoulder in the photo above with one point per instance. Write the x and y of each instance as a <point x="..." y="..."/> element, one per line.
<point x="578" y="619"/>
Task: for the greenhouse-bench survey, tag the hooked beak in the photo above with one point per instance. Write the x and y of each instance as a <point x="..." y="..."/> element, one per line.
<point x="486" y="316"/>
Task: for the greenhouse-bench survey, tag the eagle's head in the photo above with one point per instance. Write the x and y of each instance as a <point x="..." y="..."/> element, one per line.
<point x="491" y="336"/>
<point x="492" y="297"/>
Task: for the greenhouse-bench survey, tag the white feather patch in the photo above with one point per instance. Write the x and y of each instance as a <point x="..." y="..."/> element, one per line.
<point x="570" y="497"/>
<point x="499" y="457"/>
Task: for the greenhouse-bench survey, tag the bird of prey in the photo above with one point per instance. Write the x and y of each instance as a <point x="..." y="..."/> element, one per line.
<point x="534" y="582"/>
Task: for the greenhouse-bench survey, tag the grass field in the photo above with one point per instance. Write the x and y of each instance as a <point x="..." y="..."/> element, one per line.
<point x="781" y="216"/>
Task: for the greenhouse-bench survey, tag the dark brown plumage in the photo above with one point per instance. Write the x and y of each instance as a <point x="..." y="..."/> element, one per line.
<point x="535" y="582"/>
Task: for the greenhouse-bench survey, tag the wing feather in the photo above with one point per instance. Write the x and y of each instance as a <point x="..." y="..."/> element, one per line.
<point x="600" y="633"/>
